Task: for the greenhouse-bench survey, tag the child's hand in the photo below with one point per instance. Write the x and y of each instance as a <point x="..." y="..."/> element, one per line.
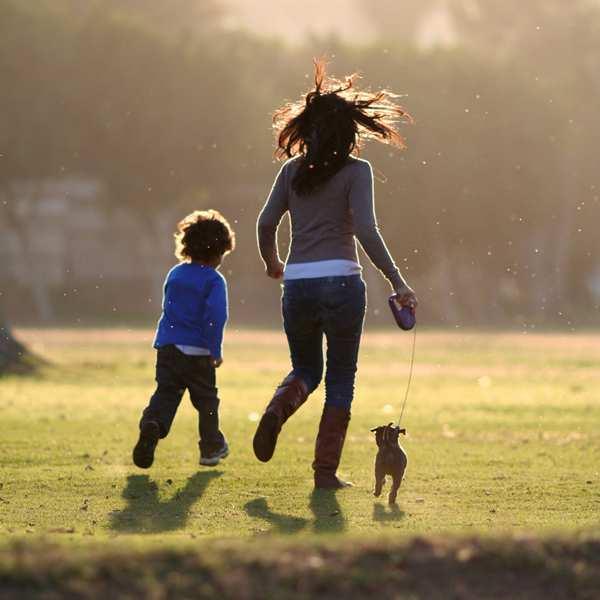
<point x="275" y="269"/>
<point x="407" y="297"/>
<point x="216" y="362"/>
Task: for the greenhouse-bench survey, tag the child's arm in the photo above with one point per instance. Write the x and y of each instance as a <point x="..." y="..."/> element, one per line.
<point x="268" y="221"/>
<point x="215" y="317"/>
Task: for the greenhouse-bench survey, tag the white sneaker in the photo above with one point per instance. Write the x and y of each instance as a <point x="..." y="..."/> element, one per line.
<point x="215" y="457"/>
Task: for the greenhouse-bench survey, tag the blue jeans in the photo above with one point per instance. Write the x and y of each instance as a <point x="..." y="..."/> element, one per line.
<point x="334" y="306"/>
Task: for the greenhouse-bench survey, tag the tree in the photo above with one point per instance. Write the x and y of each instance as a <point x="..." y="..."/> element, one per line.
<point x="38" y="141"/>
<point x="14" y="357"/>
<point x="556" y="45"/>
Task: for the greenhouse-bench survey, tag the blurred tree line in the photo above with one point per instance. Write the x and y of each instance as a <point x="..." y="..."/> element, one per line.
<point x="490" y="212"/>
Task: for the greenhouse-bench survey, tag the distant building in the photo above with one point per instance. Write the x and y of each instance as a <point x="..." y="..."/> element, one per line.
<point x="61" y="240"/>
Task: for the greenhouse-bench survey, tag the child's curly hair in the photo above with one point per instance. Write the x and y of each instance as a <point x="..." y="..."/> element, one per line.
<point x="204" y="236"/>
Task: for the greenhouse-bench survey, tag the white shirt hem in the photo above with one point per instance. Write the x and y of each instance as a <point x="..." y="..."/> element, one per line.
<point x="322" y="268"/>
<point x="193" y="350"/>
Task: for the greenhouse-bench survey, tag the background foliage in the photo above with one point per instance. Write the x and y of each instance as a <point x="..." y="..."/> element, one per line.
<point x="490" y="212"/>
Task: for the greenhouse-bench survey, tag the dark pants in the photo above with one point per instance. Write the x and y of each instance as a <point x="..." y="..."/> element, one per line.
<point x="335" y="307"/>
<point x="176" y="372"/>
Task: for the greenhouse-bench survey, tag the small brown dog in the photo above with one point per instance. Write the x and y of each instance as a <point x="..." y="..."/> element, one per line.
<point x="390" y="460"/>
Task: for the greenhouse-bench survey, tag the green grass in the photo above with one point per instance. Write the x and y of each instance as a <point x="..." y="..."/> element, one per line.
<point x="503" y="435"/>
<point x="501" y="499"/>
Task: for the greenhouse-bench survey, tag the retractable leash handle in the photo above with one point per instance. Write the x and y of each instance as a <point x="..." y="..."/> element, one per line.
<point x="404" y="315"/>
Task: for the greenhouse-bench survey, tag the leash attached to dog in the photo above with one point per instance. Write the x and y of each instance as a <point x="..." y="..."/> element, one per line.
<point x="406" y="320"/>
<point x="410" y="374"/>
<point x="391" y="459"/>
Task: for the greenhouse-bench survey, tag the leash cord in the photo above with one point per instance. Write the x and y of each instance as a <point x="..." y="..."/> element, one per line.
<point x="410" y="374"/>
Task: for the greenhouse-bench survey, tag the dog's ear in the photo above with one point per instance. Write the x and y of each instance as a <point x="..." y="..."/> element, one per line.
<point x="402" y="431"/>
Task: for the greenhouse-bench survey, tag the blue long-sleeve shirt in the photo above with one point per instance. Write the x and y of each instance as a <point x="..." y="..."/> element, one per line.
<point x="194" y="308"/>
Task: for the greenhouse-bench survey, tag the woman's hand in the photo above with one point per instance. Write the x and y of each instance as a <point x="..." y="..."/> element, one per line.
<point x="407" y="297"/>
<point x="275" y="269"/>
<point x="216" y="362"/>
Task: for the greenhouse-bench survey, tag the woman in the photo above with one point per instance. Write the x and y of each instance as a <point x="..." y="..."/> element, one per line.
<point x="329" y="195"/>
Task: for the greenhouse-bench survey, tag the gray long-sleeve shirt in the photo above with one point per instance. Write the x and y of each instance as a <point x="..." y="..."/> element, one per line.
<point x="326" y="221"/>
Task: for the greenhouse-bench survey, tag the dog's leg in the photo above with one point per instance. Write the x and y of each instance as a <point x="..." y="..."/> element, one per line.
<point x="379" y="479"/>
<point x="394" y="490"/>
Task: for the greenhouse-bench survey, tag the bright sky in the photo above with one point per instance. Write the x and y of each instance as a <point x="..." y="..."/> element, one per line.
<point x="296" y="18"/>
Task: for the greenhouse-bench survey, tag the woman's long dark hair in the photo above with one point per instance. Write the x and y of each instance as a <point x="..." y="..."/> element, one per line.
<point x="330" y="122"/>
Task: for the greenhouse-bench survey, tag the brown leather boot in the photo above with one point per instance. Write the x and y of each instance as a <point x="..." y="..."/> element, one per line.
<point x="288" y="398"/>
<point x="328" y="449"/>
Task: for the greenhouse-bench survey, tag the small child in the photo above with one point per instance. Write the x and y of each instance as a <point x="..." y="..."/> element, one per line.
<point x="189" y="337"/>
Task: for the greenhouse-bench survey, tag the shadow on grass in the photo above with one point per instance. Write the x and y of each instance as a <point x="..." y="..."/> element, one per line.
<point x="327" y="512"/>
<point x="286" y="524"/>
<point x="387" y="512"/>
<point x="328" y="517"/>
<point x="146" y="513"/>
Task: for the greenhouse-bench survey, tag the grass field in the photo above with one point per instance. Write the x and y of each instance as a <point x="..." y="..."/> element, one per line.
<point x="503" y="437"/>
